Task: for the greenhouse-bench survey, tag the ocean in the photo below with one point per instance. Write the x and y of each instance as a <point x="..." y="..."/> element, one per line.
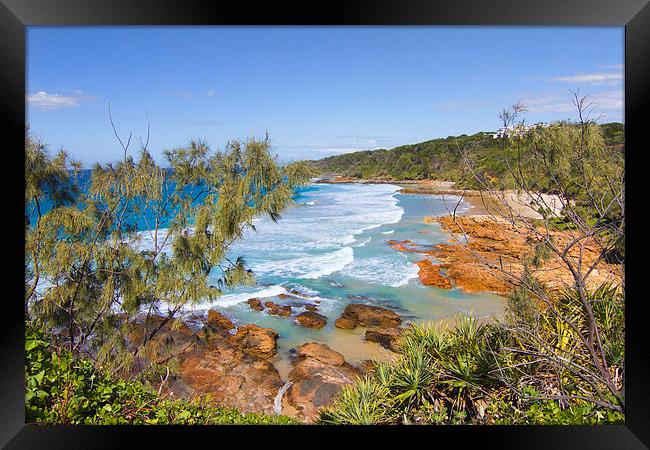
<point x="331" y="246"/>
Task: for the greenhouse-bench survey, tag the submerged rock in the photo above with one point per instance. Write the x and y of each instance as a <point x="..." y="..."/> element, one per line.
<point x="386" y="337"/>
<point x="311" y="319"/>
<point x="278" y="310"/>
<point x="356" y="314"/>
<point x="255" y="304"/>
<point x="406" y="245"/>
<point x="296" y="292"/>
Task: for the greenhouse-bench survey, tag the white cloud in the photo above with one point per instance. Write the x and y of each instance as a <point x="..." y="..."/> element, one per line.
<point x="548" y="104"/>
<point x="612" y="100"/>
<point x="210" y="93"/>
<point x="43" y="101"/>
<point x="609" y="100"/>
<point x="611" y="66"/>
<point x="344" y="144"/>
<point x="590" y="78"/>
<point x="183" y="93"/>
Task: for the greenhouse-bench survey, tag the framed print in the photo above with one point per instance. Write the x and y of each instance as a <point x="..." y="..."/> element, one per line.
<point x="347" y="219"/>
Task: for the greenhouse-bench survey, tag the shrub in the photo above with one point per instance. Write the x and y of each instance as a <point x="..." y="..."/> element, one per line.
<point x="64" y="389"/>
<point x="466" y="375"/>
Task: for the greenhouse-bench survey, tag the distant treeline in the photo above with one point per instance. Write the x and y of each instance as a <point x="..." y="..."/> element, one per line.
<point x="442" y="158"/>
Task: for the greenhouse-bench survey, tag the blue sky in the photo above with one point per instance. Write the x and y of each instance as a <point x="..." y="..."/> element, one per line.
<point x="318" y="91"/>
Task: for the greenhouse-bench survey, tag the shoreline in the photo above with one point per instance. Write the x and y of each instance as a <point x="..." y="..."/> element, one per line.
<point x="481" y="202"/>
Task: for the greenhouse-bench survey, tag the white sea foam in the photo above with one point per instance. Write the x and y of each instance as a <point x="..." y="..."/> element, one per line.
<point x="306" y="266"/>
<point x="233" y="299"/>
<point x="363" y="243"/>
<point x="243" y="294"/>
<point x="314" y="242"/>
<point x="392" y="271"/>
<point x="410" y="274"/>
<point x="388" y="232"/>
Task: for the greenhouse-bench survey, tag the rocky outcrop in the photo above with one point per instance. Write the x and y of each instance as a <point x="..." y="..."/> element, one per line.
<point x="496" y="246"/>
<point x="234" y="370"/>
<point x="407" y="245"/>
<point x="429" y="274"/>
<point x="278" y="310"/>
<point x="322" y="353"/>
<point x="311" y="319"/>
<point x="255" y="340"/>
<point x="255" y="304"/>
<point x="357" y="314"/>
<point x="219" y="324"/>
<point x="318" y="375"/>
<point x="232" y="378"/>
<point x="386" y="337"/>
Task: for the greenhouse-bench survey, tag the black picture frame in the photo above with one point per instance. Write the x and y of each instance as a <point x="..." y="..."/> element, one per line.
<point x="634" y="15"/>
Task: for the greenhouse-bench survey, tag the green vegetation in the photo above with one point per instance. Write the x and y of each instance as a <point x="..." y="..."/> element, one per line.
<point x="61" y="388"/>
<point x="89" y="273"/>
<point x="492" y="372"/>
<point x="555" y="357"/>
<point x="88" y="244"/>
<point x="443" y="159"/>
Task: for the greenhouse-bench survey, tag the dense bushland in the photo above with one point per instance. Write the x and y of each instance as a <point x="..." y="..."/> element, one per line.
<point x="443" y="159"/>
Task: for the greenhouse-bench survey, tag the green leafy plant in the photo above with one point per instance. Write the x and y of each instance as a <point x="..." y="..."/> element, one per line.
<point x="64" y="389"/>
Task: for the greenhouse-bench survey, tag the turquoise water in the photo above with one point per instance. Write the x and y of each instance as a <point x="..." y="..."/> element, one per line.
<point x="332" y="247"/>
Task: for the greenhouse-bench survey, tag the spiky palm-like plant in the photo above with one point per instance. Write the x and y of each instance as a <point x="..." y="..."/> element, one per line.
<point x="368" y="402"/>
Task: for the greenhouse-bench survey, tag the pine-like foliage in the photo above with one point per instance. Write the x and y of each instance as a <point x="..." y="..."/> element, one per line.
<point x="141" y="238"/>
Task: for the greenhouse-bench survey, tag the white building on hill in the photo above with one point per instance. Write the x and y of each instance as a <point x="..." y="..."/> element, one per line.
<point x="516" y="130"/>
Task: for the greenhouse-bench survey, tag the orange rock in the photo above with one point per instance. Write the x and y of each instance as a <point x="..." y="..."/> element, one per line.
<point x="318" y="375"/>
<point x="256" y="340"/>
<point x="386" y="337"/>
<point x="357" y="314"/>
<point x="497" y="248"/>
<point x="403" y="246"/>
<point x="232" y="379"/>
<point x="311" y="319"/>
<point x="345" y="323"/>
<point x="255" y="304"/>
<point x="429" y="274"/>
<point x="322" y="352"/>
<point x="218" y="322"/>
<point x="278" y="310"/>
